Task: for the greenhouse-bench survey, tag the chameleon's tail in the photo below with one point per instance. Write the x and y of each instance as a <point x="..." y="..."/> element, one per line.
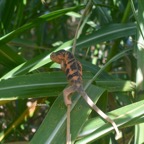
<point x="101" y="113"/>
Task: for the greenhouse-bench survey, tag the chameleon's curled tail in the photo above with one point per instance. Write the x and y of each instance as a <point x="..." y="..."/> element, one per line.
<point x="101" y="113"/>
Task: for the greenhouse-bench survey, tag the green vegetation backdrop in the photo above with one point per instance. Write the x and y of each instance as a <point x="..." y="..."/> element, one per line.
<point x="110" y="48"/>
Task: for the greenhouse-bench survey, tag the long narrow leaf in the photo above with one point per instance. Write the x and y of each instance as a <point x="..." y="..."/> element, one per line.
<point x="9" y="58"/>
<point x="96" y="128"/>
<point x="36" y="85"/>
<point x="35" y="22"/>
<point x="104" y="34"/>
<point x="43" y="84"/>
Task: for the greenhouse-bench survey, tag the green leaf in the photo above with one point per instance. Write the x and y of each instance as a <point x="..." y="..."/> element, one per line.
<point x="102" y="12"/>
<point x="117" y="85"/>
<point x="9" y="58"/>
<point x="107" y="33"/>
<point x="7" y="10"/>
<point x="28" y="66"/>
<point x="96" y="128"/>
<point x="35" y="22"/>
<point x="35" y="85"/>
<point x="140" y="47"/>
<point x="139" y="129"/>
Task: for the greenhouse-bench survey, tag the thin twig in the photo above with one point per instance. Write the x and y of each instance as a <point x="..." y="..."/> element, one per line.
<point x="88" y="6"/>
<point x="68" y="138"/>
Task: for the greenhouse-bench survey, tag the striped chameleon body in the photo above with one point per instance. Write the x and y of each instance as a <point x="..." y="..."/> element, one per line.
<point x="69" y="65"/>
<point x="73" y="71"/>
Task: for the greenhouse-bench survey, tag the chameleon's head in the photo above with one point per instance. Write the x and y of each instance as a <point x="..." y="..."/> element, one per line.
<point x="58" y="56"/>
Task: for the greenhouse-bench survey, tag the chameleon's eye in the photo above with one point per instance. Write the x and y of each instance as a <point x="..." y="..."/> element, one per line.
<point x="61" y="52"/>
<point x="55" y="58"/>
<point x="52" y="56"/>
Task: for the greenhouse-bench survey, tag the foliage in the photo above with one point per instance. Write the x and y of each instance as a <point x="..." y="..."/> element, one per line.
<point x="111" y="52"/>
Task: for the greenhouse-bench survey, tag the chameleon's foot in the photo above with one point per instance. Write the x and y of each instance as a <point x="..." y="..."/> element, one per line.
<point x="118" y="135"/>
<point x="67" y="101"/>
<point x="67" y="97"/>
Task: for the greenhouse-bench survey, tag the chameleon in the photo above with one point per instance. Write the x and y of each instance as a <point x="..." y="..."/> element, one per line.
<point x="73" y="70"/>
